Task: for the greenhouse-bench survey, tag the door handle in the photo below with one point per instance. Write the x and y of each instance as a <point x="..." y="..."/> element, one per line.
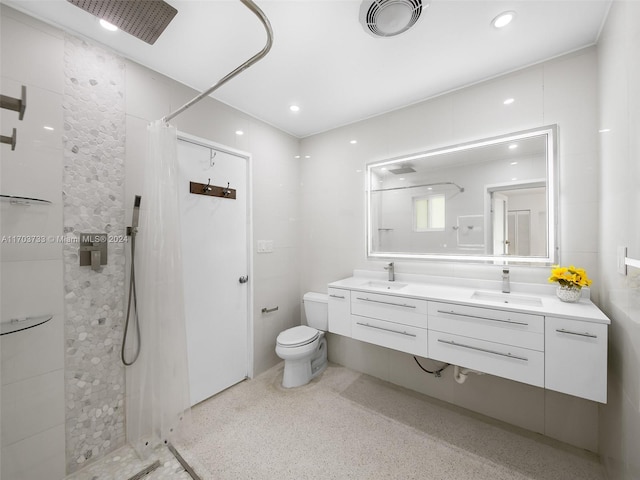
<point x="244" y="279"/>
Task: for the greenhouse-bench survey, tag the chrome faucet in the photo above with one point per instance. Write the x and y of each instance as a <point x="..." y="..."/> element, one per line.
<point x="506" y="287"/>
<point x="392" y="273"/>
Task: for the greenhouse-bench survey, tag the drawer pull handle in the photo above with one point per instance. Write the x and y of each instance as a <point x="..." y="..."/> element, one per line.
<point x="386" y="303"/>
<point x="386" y="329"/>
<point x="562" y="330"/>
<point x="482" y="318"/>
<point x="336" y="296"/>
<point x="456" y="344"/>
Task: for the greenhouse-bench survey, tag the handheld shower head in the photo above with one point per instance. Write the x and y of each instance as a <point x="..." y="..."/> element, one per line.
<point x="133" y="229"/>
<point x="136" y="211"/>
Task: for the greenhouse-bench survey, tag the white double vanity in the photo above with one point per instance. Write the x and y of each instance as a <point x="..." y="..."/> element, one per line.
<point x="529" y="335"/>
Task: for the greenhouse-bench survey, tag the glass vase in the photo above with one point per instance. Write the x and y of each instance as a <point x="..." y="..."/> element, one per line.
<point x="568" y="294"/>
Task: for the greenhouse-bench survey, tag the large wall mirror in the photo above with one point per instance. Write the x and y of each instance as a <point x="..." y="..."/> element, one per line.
<point x="490" y="200"/>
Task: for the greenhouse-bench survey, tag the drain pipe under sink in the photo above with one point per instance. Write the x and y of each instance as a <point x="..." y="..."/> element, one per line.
<point x="460" y="373"/>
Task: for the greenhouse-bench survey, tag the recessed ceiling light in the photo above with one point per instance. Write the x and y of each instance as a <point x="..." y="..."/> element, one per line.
<point x="239" y="132"/>
<point x="514" y="163"/>
<point x="297" y="156"/>
<point x="514" y="179"/>
<point x="47" y="127"/>
<point x="383" y="168"/>
<point x="503" y="19"/>
<point x="294" y="108"/>
<point x="402" y="178"/>
<point x="604" y="130"/>
<point x="353" y="142"/>
<point x="513" y="146"/>
<point x="108" y="26"/>
<point x="307" y="156"/>
<point x="508" y="101"/>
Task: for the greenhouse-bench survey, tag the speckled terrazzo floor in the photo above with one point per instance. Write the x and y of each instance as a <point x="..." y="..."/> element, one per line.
<point x="345" y="425"/>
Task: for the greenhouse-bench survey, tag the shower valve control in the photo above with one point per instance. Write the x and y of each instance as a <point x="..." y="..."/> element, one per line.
<point x="93" y="250"/>
<point x="243" y="279"/>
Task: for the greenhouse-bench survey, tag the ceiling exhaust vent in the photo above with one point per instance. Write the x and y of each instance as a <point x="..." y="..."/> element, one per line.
<point x="144" y="19"/>
<point x="402" y="169"/>
<point x="386" y="18"/>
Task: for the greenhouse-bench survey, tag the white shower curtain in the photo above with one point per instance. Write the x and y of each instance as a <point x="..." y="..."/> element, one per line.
<point x="158" y="404"/>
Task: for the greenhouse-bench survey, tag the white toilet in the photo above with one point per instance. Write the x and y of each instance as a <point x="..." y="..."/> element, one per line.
<point x="304" y="348"/>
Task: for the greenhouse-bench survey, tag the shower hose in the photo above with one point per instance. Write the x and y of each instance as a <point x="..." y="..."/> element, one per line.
<point x="132" y="298"/>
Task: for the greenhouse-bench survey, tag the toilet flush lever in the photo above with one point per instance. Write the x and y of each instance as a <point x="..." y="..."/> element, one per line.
<point x="244" y="279"/>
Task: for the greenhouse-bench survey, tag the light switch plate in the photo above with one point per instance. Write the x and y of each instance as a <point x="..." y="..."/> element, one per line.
<point x="620" y="258"/>
<point x="265" y="246"/>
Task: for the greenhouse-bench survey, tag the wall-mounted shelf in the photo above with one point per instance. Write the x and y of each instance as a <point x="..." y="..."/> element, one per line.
<point x="23" y="201"/>
<point x="19" y="324"/>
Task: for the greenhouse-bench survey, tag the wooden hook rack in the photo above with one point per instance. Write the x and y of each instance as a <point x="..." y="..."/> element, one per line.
<point x="212" y="190"/>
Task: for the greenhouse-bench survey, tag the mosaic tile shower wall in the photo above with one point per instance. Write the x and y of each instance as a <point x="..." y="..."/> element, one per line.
<point x="93" y="189"/>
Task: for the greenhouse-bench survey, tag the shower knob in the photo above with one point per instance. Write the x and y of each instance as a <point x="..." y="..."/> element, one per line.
<point x="243" y="279"/>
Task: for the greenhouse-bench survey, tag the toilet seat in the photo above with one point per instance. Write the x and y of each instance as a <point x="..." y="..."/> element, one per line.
<point x="297" y="336"/>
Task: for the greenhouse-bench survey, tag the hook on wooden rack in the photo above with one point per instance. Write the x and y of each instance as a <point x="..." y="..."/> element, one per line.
<point x="207" y="187"/>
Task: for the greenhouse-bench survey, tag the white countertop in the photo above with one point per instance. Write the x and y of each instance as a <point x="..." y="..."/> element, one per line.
<point x="461" y="290"/>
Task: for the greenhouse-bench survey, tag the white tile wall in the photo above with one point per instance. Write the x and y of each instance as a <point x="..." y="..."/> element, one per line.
<point x="618" y="80"/>
<point x="333" y="205"/>
<point x="41" y="45"/>
<point x="32" y="406"/>
<point x="38" y="457"/>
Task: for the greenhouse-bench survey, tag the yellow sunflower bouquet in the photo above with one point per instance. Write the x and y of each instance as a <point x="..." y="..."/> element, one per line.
<point x="570" y="277"/>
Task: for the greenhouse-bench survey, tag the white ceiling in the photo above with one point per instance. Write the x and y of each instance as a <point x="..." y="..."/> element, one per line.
<point x="323" y="61"/>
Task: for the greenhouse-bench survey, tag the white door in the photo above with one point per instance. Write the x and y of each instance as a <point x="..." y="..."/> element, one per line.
<point x="215" y="256"/>
<point x="499" y="208"/>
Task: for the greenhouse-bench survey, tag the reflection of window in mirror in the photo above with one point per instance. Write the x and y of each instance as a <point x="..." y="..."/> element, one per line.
<point x="428" y="213"/>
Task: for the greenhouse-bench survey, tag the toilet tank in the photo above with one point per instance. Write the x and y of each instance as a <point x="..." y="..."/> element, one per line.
<point x="316" y="310"/>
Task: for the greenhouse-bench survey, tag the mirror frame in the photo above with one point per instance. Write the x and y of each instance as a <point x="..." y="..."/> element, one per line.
<point x="552" y="257"/>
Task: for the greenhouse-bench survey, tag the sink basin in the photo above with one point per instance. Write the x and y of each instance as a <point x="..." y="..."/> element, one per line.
<point x="382" y="285"/>
<point x="509" y="298"/>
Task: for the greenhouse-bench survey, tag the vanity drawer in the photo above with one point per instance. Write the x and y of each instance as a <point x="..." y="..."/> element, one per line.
<point x="391" y="335"/>
<point x="498" y="326"/>
<point x="339" y="311"/>
<point x="514" y="363"/>
<point x="407" y="311"/>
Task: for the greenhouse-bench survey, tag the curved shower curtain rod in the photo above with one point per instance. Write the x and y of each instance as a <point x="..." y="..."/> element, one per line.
<point x="267" y="26"/>
<point x="418" y="186"/>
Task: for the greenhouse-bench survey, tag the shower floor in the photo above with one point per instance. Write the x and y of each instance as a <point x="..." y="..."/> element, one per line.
<point x="124" y="463"/>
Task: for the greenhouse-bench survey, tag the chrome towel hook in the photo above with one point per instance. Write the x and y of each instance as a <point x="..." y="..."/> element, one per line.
<point x="207" y="187"/>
